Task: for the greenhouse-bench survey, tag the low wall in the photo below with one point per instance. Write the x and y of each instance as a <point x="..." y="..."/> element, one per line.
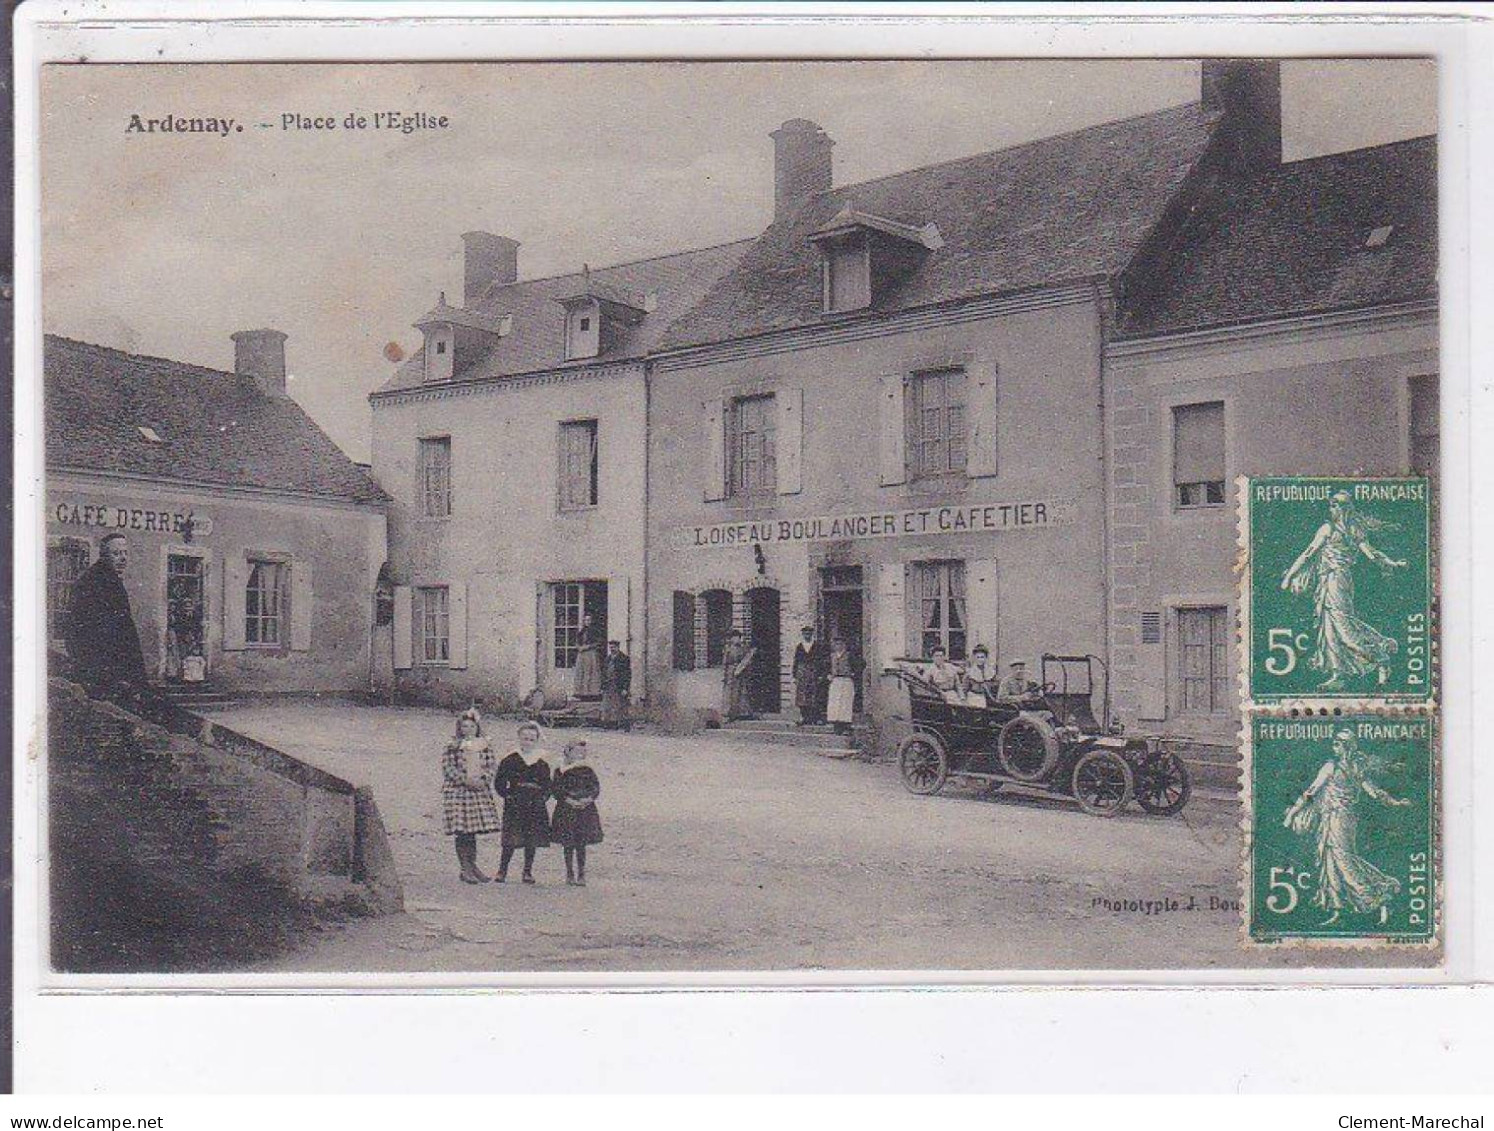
<point x="180" y="844"/>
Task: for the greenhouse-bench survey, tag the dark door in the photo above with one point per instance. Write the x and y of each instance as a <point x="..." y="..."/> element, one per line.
<point x="185" y="623"/>
<point x="763" y="692"/>
<point x="841" y="613"/>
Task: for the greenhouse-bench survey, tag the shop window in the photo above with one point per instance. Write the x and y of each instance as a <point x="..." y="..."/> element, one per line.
<point x="717" y="624"/>
<point x="67" y="558"/>
<point x="1198" y="455"/>
<point x="265" y="603"/>
<point x="578" y="464"/>
<point x="936" y="597"/>
<point x="432" y="625"/>
<point x="435" y="477"/>
<point x="1203" y="661"/>
<point x="752" y="466"/>
<point x="684" y="631"/>
<point x="936" y="423"/>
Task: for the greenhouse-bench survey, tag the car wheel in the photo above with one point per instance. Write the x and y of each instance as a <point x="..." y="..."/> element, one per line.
<point x="1163" y="785"/>
<point x="1102" y="783"/>
<point x="923" y="764"/>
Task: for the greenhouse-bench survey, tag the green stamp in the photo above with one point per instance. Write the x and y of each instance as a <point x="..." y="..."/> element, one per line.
<point x="1341" y="817"/>
<point x="1338" y="601"/>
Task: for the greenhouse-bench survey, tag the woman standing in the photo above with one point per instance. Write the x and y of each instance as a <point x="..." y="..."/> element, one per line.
<point x="842" y="686"/>
<point x="1329" y="811"/>
<point x="576" y="822"/>
<point x="523" y="781"/>
<point x="468" y="809"/>
<point x="736" y="658"/>
<point x="588" y="677"/>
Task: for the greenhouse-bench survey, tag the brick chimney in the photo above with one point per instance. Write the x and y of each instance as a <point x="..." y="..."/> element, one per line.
<point x="488" y="261"/>
<point x="1248" y="93"/>
<point x="260" y="356"/>
<point x="801" y="165"/>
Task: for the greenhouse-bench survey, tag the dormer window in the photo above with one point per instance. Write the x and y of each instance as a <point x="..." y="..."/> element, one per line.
<point x="455" y="338"/>
<point x="581" y="337"/>
<point x="861" y="255"/>
<point x="440" y="347"/>
<point x="598" y="315"/>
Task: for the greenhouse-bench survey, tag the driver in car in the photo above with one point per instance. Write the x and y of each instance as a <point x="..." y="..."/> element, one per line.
<point x="1016" y="685"/>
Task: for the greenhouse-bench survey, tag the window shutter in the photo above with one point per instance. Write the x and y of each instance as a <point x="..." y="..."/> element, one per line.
<point x="982" y="606"/>
<point x="684" y="631"/>
<point x="619" y="610"/>
<point x="714" y="448"/>
<point x="892" y="637"/>
<point x="893" y="432"/>
<point x="301" y="599"/>
<point x="790" y="406"/>
<point x="1198" y="443"/>
<point x="235" y="579"/>
<point x="456" y="624"/>
<point x="404" y="640"/>
<point x="981" y="410"/>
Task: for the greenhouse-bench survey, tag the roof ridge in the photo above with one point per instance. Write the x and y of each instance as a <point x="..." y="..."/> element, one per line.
<point x="618" y="266"/>
<point x="150" y="359"/>
<point x="1109" y="124"/>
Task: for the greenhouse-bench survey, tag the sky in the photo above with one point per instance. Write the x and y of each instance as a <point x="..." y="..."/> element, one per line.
<point x="165" y="244"/>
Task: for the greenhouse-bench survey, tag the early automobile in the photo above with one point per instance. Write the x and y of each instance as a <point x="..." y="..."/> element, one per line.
<point x="1048" y="738"/>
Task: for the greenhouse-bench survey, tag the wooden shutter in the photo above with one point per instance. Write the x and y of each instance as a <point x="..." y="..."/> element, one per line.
<point x="982" y="606"/>
<point x="404" y="627"/>
<point x="790" y="407"/>
<point x="619" y="610"/>
<point x="1198" y="443"/>
<point x="713" y="447"/>
<point x="684" y="631"/>
<point x="456" y="624"/>
<point x="301" y="602"/>
<point x="893" y="431"/>
<point x="892" y="636"/>
<point x="235" y="579"/>
<point x="982" y="420"/>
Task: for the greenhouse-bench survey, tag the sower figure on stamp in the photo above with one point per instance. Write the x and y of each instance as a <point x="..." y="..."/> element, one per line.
<point x="1329" y="810"/>
<point x="468" y="807"/>
<point x="617" y="685"/>
<point x="101" y="637"/>
<point x="810" y="675"/>
<point x="1346" y="646"/>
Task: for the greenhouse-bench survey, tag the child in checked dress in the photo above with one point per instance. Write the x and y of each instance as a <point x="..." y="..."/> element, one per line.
<point x="576" y="822"/>
<point x="468" y="807"/>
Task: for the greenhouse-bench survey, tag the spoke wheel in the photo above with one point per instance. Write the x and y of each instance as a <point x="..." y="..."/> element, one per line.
<point x="923" y="764"/>
<point x="1102" y="783"/>
<point x="1163" y="786"/>
<point x="1027" y="749"/>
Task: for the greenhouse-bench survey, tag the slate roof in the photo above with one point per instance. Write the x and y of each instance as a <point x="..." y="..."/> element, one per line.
<point x="215" y="427"/>
<point x="1293" y="241"/>
<point x="536" y="338"/>
<point x="1065" y="208"/>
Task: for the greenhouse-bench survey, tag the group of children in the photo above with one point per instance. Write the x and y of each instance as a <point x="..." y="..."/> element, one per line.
<point x="473" y="779"/>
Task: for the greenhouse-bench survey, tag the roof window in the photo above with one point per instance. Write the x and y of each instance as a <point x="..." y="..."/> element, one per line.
<point x="1380" y="236"/>
<point x="149" y="434"/>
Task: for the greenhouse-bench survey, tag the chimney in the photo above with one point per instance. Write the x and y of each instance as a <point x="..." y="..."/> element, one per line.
<point x="488" y="261"/>
<point x="1248" y="93"/>
<point x="260" y="356"/>
<point x="801" y="165"/>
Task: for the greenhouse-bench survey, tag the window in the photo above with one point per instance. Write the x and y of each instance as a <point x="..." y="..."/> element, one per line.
<point x="936" y="593"/>
<point x="936" y="423"/>
<point x="432" y="625"/>
<point x="435" y="477"/>
<point x="568" y="608"/>
<point x="684" y="631"/>
<point x="1198" y="455"/>
<point x="585" y="325"/>
<point x="752" y="466"/>
<point x="1203" y="673"/>
<point x="847" y="275"/>
<point x="578" y="464"/>
<point x="717" y="624"/>
<point x="265" y="604"/>
<point x="441" y="347"/>
<point x="66" y="561"/>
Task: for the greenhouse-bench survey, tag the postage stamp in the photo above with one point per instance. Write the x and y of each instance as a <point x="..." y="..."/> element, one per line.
<point x="1340" y="829"/>
<point x="1337" y="590"/>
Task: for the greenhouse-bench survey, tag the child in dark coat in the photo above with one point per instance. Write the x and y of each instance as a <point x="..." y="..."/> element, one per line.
<point x="576" y="822"/>
<point x="523" y="781"/>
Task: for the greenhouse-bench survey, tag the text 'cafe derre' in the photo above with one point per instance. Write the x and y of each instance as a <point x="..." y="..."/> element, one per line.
<point x="963" y="519"/>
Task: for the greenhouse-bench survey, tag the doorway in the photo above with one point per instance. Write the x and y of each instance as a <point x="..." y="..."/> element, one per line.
<point x="570" y="603"/>
<point x="841" y="614"/>
<point x="186" y="654"/>
<point x="764" y="693"/>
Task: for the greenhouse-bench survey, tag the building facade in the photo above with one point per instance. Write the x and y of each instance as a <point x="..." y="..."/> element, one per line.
<point x="254" y="541"/>
<point x="512" y="446"/>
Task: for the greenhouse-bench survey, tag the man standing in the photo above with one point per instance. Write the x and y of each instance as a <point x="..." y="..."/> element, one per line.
<point x="101" y="637"/>
<point x="617" y="684"/>
<point x="810" y="664"/>
<point x="1016" y="685"/>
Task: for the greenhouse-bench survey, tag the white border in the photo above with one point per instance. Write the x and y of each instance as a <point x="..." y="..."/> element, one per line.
<point x="100" y="1031"/>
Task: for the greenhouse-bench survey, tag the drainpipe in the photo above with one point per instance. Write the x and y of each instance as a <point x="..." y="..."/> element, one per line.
<point x="648" y="431"/>
<point x="1103" y="317"/>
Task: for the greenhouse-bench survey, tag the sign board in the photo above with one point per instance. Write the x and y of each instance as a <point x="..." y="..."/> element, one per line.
<point x="114" y="517"/>
<point x="954" y="518"/>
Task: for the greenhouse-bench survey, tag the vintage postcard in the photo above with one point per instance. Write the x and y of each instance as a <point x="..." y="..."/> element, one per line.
<point x="591" y="520"/>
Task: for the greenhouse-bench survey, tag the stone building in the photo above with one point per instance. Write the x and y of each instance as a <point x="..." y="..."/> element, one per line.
<point x="512" y="445"/>
<point x="254" y="540"/>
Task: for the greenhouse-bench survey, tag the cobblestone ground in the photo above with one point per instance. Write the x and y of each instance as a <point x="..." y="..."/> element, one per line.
<point x="721" y="855"/>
